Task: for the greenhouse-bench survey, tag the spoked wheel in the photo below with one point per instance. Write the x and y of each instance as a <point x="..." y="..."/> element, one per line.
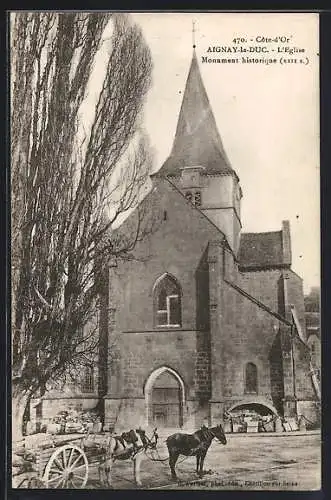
<point x="28" y="481"/>
<point x="66" y="468"/>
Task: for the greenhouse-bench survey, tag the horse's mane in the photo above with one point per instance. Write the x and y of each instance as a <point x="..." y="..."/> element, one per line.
<point x="204" y="434"/>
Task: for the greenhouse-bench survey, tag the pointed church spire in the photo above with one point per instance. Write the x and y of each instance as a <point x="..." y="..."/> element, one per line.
<point x="197" y="141"/>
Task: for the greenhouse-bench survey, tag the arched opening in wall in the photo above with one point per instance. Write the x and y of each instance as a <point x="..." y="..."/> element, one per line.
<point x="165" y="396"/>
<point x="253" y="407"/>
<point x="253" y="417"/>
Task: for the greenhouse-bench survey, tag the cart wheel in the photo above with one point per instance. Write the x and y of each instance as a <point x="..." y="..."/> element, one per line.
<point x="22" y="483"/>
<point x="29" y="481"/>
<point x="66" y="468"/>
<point x="35" y="483"/>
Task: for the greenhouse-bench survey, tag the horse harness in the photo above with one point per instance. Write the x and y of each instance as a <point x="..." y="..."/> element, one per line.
<point x="126" y="444"/>
<point x="206" y="436"/>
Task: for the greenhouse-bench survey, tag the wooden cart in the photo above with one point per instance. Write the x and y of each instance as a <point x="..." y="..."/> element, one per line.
<point x="65" y="463"/>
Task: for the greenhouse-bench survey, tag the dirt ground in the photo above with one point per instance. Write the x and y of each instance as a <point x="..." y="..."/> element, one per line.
<point x="247" y="462"/>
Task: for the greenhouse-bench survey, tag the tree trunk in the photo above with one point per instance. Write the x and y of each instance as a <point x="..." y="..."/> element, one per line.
<point x="19" y="404"/>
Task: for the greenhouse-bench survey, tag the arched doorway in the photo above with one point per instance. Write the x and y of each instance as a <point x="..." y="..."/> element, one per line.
<point x="164" y="394"/>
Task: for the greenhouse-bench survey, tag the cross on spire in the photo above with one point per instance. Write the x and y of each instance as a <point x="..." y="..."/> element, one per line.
<point x="193" y="34"/>
<point x="197" y="140"/>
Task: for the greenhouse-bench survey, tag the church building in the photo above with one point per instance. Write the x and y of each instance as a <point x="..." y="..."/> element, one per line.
<point x="213" y="319"/>
<point x="206" y="319"/>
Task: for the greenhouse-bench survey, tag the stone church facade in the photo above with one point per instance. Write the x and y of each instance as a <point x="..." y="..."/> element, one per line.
<point x="207" y="318"/>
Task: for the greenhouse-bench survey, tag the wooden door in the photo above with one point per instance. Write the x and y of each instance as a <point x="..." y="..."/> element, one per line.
<point x="167" y="402"/>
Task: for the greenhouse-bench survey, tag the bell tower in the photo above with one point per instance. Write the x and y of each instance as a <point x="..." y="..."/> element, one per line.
<point x="198" y="163"/>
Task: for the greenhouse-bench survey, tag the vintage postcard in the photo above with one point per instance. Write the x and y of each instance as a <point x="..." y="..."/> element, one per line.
<point x="165" y="250"/>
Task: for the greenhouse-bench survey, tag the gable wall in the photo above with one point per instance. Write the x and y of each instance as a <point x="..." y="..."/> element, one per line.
<point x="178" y="246"/>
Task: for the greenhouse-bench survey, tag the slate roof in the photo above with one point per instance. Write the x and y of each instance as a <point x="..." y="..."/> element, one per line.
<point x="312" y="323"/>
<point x="197" y="140"/>
<point x="261" y="250"/>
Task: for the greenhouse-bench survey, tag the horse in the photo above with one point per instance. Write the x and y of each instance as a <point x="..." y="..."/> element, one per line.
<point x="124" y="447"/>
<point x="196" y="444"/>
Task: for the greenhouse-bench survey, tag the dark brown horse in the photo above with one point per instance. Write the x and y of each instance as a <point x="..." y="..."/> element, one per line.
<point x="196" y="444"/>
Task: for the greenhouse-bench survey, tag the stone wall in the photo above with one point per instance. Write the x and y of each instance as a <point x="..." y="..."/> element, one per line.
<point x="50" y="407"/>
<point x="138" y="346"/>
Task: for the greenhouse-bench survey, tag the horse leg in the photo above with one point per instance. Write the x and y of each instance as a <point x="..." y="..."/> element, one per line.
<point x="202" y="460"/>
<point x="136" y="468"/>
<point x="108" y="471"/>
<point x="173" y="457"/>
<point x="101" y="470"/>
<point x="110" y="446"/>
<point x="198" y="462"/>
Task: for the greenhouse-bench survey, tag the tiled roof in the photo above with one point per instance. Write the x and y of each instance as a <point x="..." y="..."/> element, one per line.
<point x="197" y="141"/>
<point x="261" y="250"/>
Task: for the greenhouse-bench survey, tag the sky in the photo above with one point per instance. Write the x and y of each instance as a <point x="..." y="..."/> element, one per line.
<point x="267" y="115"/>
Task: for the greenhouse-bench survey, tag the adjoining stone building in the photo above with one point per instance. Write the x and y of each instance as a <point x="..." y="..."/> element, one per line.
<point x="214" y="318"/>
<point x="313" y="331"/>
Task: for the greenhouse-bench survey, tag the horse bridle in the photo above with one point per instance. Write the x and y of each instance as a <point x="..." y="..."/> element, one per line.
<point x="213" y="434"/>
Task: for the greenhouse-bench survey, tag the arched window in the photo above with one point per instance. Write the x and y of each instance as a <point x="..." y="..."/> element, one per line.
<point x="188" y="195"/>
<point x="88" y="379"/>
<point x="251" y="378"/>
<point x="197" y="198"/>
<point x="167" y="302"/>
<point x="194" y="197"/>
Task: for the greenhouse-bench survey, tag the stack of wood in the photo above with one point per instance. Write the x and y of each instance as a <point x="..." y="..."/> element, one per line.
<point x="22" y="460"/>
<point x="68" y="422"/>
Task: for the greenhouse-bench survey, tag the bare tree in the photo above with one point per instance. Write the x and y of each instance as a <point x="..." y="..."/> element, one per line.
<point x="70" y="183"/>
